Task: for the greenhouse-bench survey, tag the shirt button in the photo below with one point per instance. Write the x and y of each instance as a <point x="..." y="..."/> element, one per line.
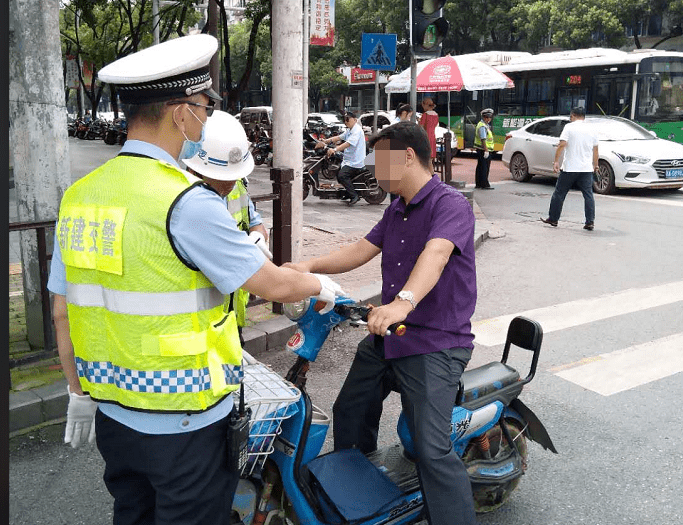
<point x="405" y="218"/>
<point x="185" y="422"/>
<point x="392" y="285"/>
<point x="399" y="264"/>
<point x="402" y="241"/>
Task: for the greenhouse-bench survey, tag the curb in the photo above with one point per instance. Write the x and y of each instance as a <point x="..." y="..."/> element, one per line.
<point x="47" y="405"/>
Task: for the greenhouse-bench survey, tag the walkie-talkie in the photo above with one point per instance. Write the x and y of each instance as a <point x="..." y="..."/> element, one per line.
<point x="238" y="434"/>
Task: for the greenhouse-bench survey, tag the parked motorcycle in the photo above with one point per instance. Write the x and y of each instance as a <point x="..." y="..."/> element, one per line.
<point x="81" y="128"/>
<point x="320" y="173"/>
<point x="262" y="150"/>
<point x="116" y="132"/>
<point x="285" y="480"/>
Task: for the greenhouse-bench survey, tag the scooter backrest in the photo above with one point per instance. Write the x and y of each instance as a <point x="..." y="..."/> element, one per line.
<point x="524" y="333"/>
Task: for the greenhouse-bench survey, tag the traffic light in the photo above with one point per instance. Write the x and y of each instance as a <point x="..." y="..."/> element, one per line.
<point x="428" y="27"/>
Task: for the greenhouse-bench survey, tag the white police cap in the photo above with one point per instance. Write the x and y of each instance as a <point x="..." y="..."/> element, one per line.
<point x="175" y="68"/>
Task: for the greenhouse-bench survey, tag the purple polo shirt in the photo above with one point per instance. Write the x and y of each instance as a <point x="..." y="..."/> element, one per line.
<point x="442" y="319"/>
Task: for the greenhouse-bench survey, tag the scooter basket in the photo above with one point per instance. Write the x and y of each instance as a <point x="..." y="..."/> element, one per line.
<point x="272" y="399"/>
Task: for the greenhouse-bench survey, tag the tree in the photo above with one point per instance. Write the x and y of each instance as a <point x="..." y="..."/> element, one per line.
<point x="325" y="82"/>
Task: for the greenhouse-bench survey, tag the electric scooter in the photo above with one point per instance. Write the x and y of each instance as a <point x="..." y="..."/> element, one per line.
<point x="287" y="480"/>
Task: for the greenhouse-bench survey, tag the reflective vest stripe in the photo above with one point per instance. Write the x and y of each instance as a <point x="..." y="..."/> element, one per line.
<point x="158" y="381"/>
<point x="143" y="303"/>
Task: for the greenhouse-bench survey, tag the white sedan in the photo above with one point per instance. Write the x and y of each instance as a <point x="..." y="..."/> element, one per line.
<point x="630" y="155"/>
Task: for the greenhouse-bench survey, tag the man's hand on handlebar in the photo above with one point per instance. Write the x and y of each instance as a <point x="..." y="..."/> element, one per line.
<point x="380" y="317"/>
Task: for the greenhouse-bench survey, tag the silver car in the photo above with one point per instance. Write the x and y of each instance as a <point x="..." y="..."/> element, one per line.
<point x="630" y="155"/>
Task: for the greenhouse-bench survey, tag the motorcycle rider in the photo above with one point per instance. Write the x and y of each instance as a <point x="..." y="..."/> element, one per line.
<point x="426" y="239"/>
<point x="353" y="146"/>
<point x="225" y="139"/>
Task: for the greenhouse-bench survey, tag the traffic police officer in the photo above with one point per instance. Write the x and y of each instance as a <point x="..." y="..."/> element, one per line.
<point x="144" y="254"/>
<point x="483" y="143"/>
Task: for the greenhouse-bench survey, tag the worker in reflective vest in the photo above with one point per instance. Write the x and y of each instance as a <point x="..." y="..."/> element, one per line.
<point x="483" y="143"/>
<point x="223" y="163"/>
<point x="144" y="255"/>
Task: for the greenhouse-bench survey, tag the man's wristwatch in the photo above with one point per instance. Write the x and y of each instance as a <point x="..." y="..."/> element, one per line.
<point x="406" y="295"/>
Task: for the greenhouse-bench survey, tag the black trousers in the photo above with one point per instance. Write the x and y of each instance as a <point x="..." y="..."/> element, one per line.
<point x="167" y="479"/>
<point x="344" y="178"/>
<point x="428" y="385"/>
<point x="481" y="175"/>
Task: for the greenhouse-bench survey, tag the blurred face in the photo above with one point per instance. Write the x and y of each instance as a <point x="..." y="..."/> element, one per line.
<point x="428" y="104"/>
<point x="388" y="164"/>
<point x="350" y="122"/>
<point x="405" y="115"/>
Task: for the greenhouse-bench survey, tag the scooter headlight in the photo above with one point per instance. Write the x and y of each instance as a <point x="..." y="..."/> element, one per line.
<point x="296" y="311"/>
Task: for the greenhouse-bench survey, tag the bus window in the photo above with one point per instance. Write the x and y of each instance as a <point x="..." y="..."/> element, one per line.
<point x="540" y="96"/>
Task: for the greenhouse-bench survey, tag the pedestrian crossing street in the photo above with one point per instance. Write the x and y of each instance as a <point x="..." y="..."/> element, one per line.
<point x="614" y="372"/>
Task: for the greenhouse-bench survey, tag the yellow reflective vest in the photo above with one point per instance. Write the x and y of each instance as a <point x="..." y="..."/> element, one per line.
<point x="478" y="143"/>
<point x="238" y="207"/>
<point x="148" y="332"/>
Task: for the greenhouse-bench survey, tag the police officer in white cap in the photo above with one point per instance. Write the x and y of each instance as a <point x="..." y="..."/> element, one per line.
<point x="483" y="143"/>
<point x="223" y="163"/>
<point x="144" y="254"/>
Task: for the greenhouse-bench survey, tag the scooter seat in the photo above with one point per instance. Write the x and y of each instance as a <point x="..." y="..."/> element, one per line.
<point x="485" y="380"/>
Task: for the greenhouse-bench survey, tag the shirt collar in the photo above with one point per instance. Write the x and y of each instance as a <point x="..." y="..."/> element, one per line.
<point x="140" y="147"/>
<point x="420" y="195"/>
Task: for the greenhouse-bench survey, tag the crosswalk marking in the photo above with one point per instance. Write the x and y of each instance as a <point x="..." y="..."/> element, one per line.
<point x="492" y="332"/>
<point x="621" y="370"/>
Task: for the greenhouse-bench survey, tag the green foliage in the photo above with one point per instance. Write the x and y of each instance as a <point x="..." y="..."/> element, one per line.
<point x="325" y="81"/>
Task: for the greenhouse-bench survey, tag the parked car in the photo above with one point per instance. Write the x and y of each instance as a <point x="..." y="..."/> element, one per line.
<point x="331" y="121"/>
<point x="630" y="155"/>
<point x="384" y="118"/>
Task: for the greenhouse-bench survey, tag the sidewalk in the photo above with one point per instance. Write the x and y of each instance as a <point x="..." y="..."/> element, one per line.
<point x="47" y="404"/>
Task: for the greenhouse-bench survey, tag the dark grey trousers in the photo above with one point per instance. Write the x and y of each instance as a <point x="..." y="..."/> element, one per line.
<point x="428" y="385"/>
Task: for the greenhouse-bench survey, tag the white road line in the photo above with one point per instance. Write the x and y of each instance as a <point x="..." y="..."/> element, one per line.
<point x="647" y="200"/>
<point x="491" y="332"/>
<point x="624" y="369"/>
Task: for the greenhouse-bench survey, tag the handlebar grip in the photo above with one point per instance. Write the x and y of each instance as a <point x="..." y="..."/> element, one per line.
<point x="397" y="328"/>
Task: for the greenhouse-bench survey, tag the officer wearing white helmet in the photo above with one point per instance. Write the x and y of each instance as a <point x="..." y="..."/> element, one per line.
<point x="483" y="143"/>
<point x="223" y="163"/>
<point x="144" y="254"/>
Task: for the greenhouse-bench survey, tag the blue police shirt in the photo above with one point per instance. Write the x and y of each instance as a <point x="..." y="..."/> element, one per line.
<point x="199" y="220"/>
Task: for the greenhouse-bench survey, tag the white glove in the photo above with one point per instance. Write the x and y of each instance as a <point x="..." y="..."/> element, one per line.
<point x="80" y="419"/>
<point x="329" y="291"/>
<point x="486" y="154"/>
<point x="259" y="240"/>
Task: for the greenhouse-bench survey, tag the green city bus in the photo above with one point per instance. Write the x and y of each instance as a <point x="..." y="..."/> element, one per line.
<point x="644" y="85"/>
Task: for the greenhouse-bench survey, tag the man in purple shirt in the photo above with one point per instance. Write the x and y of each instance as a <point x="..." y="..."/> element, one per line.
<point x="429" y="281"/>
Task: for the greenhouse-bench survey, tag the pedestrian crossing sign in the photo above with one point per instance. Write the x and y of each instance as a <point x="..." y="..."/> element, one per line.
<point x="378" y="51"/>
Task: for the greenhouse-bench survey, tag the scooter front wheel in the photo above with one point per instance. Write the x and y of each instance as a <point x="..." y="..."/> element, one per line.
<point x="488" y="498"/>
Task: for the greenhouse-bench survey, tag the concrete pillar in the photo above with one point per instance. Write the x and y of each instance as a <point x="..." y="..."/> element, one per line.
<point x="40" y="146"/>
<point x="288" y="105"/>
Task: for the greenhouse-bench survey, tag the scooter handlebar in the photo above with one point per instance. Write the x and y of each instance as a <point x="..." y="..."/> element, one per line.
<point x="358" y="315"/>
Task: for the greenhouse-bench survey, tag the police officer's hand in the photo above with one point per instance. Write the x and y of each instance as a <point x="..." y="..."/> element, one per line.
<point x="80" y="419"/>
<point x="329" y="291"/>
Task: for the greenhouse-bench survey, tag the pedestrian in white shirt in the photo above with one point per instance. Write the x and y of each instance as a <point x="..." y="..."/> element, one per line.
<point x="580" y="161"/>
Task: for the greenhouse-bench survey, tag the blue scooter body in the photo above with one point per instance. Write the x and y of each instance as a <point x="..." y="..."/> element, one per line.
<point x="293" y="449"/>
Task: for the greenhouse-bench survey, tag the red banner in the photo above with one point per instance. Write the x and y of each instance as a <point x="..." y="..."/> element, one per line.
<point x="322" y="23"/>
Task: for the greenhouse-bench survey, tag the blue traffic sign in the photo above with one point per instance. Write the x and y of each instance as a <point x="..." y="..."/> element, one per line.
<point x="378" y="51"/>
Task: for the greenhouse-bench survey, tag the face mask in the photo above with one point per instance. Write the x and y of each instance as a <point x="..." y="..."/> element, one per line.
<point x="190" y="148"/>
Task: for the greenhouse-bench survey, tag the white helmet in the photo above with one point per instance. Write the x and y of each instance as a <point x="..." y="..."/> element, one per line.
<point x="225" y="151"/>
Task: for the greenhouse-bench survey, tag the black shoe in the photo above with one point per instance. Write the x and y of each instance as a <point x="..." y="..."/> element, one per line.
<point x="488" y="188"/>
<point x="588" y="226"/>
<point x="354" y="200"/>
<point x="548" y="221"/>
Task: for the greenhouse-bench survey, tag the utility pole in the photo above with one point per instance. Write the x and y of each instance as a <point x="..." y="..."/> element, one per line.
<point x="288" y="80"/>
<point x="307" y="39"/>
<point x="214" y="64"/>
<point x="40" y="146"/>
<point x="155" y="20"/>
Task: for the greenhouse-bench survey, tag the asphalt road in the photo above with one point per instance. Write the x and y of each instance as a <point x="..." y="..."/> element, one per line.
<point x="607" y="387"/>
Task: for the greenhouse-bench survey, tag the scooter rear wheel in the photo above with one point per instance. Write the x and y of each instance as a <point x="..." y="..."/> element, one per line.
<point x="376" y="196"/>
<point x="490" y="498"/>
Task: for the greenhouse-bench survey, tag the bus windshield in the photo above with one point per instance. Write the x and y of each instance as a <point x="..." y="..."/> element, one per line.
<point x="661" y="92"/>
